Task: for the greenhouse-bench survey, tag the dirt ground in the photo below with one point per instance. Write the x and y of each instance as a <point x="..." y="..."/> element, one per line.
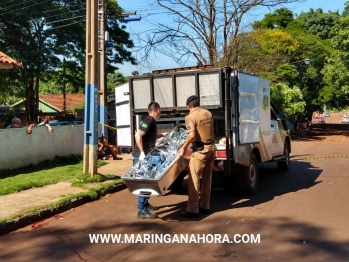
<point x="333" y="130"/>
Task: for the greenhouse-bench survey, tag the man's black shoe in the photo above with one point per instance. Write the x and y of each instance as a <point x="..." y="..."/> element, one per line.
<point x="189" y="215"/>
<point x="146" y="215"/>
<point x="150" y="207"/>
<point x="204" y="211"/>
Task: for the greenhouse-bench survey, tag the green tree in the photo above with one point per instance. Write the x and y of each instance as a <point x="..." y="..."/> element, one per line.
<point x="5" y="87"/>
<point x="346" y="9"/>
<point x="263" y="50"/>
<point x="280" y="18"/>
<point x="71" y="76"/>
<point x="288" y="53"/>
<point x="319" y="23"/>
<point x="10" y="90"/>
<point x="289" y="100"/>
<point x="205" y="29"/>
<point x="38" y="33"/>
<point x="113" y="80"/>
<point x="308" y="60"/>
<point x="7" y="119"/>
<point x="336" y="76"/>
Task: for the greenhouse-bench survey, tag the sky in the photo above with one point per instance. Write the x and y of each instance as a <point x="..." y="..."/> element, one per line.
<point x="151" y="16"/>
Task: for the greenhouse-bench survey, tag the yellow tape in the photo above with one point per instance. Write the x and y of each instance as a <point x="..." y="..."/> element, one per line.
<point x="107" y="125"/>
<point x="319" y="157"/>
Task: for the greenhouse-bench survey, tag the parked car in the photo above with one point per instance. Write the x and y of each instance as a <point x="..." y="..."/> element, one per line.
<point x="290" y="126"/>
<point x="319" y="119"/>
<point x="63" y="122"/>
<point x="345" y="119"/>
<point x="327" y="114"/>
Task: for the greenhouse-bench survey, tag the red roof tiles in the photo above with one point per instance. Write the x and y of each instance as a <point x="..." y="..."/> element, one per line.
<point x="6" y="62"/>
<point x="56" y="100"/>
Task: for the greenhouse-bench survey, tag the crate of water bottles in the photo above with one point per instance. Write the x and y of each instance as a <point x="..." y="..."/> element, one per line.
<point x="155" y="174"/>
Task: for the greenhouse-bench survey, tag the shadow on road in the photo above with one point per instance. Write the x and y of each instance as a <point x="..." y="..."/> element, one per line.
<point x="57" y="240"/>
<point x="272" y="183"/>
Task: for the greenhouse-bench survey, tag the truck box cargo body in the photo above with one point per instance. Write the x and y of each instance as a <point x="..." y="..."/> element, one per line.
<point x="248" y="130"/>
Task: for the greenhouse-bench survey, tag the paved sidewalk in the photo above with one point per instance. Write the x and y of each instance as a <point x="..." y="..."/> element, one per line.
<point x="117" y="167"/>
<point x="26" y="200"/>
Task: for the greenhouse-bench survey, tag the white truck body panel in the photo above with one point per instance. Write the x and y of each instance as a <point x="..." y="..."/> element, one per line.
<point x="265" y="120"/>
<point x="249" y="93"/>
<point x="254" y="125"/>
<point x="248" y="129"/>
<point x="123" y="118"/>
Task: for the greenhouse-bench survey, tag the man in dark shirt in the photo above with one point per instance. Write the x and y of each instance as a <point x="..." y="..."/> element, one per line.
<point x="146" y="137"/>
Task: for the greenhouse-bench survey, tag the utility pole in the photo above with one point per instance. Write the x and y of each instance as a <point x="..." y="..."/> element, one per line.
<point x="102" y="92"/>
<point x="91" y="89"/>
<point x="95" y="82"/>
<point x="64" y="97"/>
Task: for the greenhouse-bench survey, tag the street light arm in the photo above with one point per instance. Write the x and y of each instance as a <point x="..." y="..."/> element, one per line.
<point x="131" y="19"/>
<point x="128" y="13"/>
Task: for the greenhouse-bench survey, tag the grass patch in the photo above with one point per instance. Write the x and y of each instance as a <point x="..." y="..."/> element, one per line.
<point x="82" y="179"/>
<point x="91" y="194"/>
<point x="45" y="173"/>
<point x="51" y="172"/>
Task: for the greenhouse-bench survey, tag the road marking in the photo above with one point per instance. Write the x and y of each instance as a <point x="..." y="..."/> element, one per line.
<point x="320" y="157"/>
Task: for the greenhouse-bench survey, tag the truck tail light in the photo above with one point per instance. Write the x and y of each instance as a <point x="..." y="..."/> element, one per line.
<point x="221" y="154"/>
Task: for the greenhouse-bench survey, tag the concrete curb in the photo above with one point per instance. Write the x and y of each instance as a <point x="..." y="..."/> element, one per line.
<point x="28" y="219"/>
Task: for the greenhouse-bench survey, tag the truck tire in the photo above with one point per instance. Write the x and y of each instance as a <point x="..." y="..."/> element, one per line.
<point x="179" y="181"/>
<point x="247" y="176"/>
<point x="285" y="164"/>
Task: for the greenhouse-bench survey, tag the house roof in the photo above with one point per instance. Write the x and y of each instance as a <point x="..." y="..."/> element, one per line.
<point x="56" y="100"/>
<point x="7" y="62"/>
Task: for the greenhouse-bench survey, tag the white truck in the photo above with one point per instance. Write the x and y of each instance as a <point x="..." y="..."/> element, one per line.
<point x="248" y="128"/>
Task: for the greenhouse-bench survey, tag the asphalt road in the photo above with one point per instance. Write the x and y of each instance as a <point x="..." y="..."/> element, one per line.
<point x="299" y="215"/>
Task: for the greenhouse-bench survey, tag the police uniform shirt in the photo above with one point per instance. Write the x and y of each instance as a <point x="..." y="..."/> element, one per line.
<point x="200" y="120"/>
<point x="148" y="125"/>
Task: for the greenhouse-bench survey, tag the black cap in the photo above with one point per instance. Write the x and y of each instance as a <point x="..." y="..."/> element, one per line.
<point x="191" y="98"/>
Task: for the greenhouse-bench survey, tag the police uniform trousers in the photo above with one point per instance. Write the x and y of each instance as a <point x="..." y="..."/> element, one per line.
<point x="200" y="165"/>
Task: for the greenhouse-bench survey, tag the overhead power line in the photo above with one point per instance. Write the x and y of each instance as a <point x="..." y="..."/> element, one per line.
<point x="49" y="22"/>
<point x="25" y="7"/>
<point x="10" y="11"/>
<point x="60" y="8"/>
<point x="62" y="14"/>
<point x="21" y="28"/>
<point x="65" y="25"/>
<point x="11" y="1"/>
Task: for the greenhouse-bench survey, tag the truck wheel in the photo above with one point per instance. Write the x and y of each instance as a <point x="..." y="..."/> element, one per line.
<point x="247" y="176"/>
<point x="179" y="181"/>
<point x="285" y="164"/>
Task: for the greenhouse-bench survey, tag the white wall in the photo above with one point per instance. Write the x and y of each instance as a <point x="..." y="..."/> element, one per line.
<point x="18" y="149"/>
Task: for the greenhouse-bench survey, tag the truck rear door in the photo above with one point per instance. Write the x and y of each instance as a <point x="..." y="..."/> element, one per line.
<point x="248" y="92"/>
<point x="123" y="118"/>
